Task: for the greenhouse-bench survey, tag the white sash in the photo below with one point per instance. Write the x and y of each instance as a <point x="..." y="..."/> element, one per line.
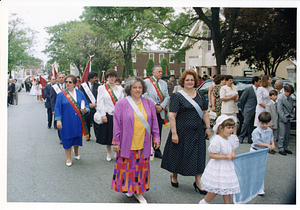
<point x="56" y="88"/>
<point x="88" y="92"/>
<point x="139" y="114"/>
<point x="197" y="107"/>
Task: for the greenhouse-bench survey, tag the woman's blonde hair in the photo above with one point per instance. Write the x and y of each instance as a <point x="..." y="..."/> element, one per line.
<point x="228" y="122"/>
<point x="264" y="81"/>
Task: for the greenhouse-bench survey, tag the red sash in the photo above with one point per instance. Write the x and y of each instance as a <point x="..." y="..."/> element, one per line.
<point x="111" y="93"/>
<point x="77" y="110"/>
<point x="161" y="97"/>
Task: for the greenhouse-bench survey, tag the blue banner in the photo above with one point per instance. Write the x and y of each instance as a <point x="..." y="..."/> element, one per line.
<point x="250" y="169"/>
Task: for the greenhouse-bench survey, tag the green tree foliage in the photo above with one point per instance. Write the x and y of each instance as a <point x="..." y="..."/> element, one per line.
<point x="165" y="65"/>
<point x="264" y="38"/>
<point x="149" y="66"/>
<point x="178" y="27"/>
<point x="20" y="43"/>
<point x="74" y="41"/>
<point x="127" y="27"/>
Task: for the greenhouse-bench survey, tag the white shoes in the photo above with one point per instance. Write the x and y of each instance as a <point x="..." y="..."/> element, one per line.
<point x="77" y="157"/>
<point x="129" y="195"/>
<point x="140" y="198"/>
<point x="203" y="202"/>
<point x="108" y="157"/>
<point x="69" y="164"/>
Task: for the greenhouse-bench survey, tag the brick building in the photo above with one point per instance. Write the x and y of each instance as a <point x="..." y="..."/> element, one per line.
<point x="140" y="60"/>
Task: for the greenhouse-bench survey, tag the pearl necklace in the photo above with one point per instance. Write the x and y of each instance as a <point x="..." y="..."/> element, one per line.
<point x="190" y="93"/>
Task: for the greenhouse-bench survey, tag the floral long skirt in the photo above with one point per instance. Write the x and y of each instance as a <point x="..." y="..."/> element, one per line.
<point x="131" y="175"/>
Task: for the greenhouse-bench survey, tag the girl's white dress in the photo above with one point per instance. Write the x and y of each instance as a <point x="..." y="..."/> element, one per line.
<point x="219" y="175"/>
<point x="39" y="89"/>
<point x="33" y="89"/>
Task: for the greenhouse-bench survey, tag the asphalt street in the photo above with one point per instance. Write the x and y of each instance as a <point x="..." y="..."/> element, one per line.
<point x="37" y="174"/>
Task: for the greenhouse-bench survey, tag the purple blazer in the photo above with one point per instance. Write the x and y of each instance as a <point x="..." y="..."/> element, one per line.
<point x="124" y="126"/>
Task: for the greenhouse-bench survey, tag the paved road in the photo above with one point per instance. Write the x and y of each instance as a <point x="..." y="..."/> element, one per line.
<point x="36" y="170"/>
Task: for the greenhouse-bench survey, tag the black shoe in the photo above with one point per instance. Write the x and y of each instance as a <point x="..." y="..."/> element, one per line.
<point x="49" y="127"/>
<point x="172" y="183"/>
<point x="282" y="152"/>
<point x="250" y="142"/>
<point x="272" y="152"/>
<point x="203" y="192"/>
<point x="88" y="139"/>
<point x="158" y="153"/>
<point x="241" y="141"/>
<point x="288" y="151"/>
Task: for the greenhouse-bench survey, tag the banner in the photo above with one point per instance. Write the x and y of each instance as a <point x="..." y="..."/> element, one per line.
<point x="43" y="83"/>
<point x="250" y="169"/>
<point x="86" y="71"/>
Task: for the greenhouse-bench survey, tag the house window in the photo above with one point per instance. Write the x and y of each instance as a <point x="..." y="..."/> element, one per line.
<point x="182" y="70"/>
<point x="151" y="55"/>
<point x="172" y="72"/>
<point x="161" y="56"/>
<point x="183" y="60"/>
<point x="209" y="45"/>
<point x="133" y="58"/>
<point x="170" y="56"/>
<point x="135" y="72"/>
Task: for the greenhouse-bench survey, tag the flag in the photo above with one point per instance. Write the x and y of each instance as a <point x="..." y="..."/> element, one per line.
<point x="250" y="169"/>
<point x="137" y="73"/>
<point x="102" y="80"/>
<point x="166" y="73"/>
<point x="43" y="83"/>
<point x="86" y="71"/>
<point x="51" y="72"/>
<point x="55" y="72"/>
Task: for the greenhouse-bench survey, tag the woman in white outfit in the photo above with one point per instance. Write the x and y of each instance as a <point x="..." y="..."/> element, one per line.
<point x="262" y="95"/>
<point x="108" y="94"/>
<point x="33" y="88"/>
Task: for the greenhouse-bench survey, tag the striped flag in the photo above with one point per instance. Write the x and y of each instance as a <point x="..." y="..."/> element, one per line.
<point x="166" y="73"/>
<point x="86" y="71"/>
<point x="102" y="80"/>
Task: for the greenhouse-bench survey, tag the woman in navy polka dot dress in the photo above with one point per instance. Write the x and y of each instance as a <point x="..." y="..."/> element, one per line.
<point x="185" y="149"/>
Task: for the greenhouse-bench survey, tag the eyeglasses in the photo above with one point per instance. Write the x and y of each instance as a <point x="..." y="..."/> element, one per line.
<point x="70" y="82"/>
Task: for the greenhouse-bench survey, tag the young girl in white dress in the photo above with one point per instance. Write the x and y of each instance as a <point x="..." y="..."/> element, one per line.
<point x="39" y="88"/>
<point x="219" y="176"/>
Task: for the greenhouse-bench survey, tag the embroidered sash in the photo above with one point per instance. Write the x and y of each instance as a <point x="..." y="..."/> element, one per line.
<point x="195" y="105"/>
<point x="77" y="110"/>
<point x="56" y="88"/>
<point x="111" y="93"/>
<point x="88" y="92"/>
<point x="161" y="97"/>
<point x="139" y="114"/>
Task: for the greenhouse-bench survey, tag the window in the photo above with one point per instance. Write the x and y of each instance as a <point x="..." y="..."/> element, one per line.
<point x="182" y="70"/>
<point x="151" y="55"/>
<point x="135" y="72"/>
<point x="133" y="58"/>
<point x="172" y="72"/>
<point x="209" y="45"/>
<point x="170" y="56"/>
<point x="161" y="56"/>
<point x="183" y="60"/>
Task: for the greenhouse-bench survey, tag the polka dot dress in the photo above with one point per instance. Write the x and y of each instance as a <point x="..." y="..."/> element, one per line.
<point x="188" y="156"/>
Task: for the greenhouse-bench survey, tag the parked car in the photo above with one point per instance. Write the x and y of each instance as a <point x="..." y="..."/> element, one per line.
<point x="241" y="83"/>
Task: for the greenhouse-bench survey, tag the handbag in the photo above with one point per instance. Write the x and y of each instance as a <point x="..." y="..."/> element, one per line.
<point x="98" y="118"/>
<point x="212" y="114"/>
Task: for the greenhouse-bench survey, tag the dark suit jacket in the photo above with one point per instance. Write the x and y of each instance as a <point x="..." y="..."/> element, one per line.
<point x="47" y="90"/>
<point x="53" y="97"/>
<point x="248" y="101"/>
<point x="95" y="92"/>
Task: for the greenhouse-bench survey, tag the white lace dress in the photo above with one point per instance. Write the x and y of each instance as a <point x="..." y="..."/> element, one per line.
<point x="219" y="175"/>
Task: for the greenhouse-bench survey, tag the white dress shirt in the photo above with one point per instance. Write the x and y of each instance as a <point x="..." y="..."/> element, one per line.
<point x="104" y="102"/>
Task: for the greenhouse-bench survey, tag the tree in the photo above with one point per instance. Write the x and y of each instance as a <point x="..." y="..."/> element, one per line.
<point x="128" y="27"/>
<point x="165" y="65"/>
<point x="74" y="41"/>
<point x="264" y="38"/>
<point x="20" y="43"/>
<point x="131" y="73"/>
<point x="178" y="26"/>
<point x="149" y="66"/>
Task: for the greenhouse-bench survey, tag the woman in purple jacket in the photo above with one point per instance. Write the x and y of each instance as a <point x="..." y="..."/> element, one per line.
<point x="134" y="120"/>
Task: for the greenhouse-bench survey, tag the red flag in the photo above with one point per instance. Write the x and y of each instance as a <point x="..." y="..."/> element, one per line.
<point x="51" y="73"/>
<point x="137" y="73"/>
<point x="166" y="73"/>
<point x="86" y="72"/>
<point x="102" y="80"/>
<point x="55" y="72"/>
<point x="43" y="83"/>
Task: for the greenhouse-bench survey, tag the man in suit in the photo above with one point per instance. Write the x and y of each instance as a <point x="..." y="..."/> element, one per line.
<point x="285" y="111"/>
<point x="55" y="89"/>
<point x="12" y="91"/>
<point x="248" y="104"/>
<point x="18" y="88"/>
<point x="154" y="84"/>
<point x="47" y="90"/>
<point x="279" y="87"/>
<point x="90" y="90"/>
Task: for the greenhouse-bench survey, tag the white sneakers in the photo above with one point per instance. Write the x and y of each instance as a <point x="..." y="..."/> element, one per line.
<point x="139" y="197"/>
<point x="203" y="202"/>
